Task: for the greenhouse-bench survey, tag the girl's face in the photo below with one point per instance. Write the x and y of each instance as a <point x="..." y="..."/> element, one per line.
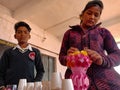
<point x="91" y="16"/>
<point x="22" y="35"/>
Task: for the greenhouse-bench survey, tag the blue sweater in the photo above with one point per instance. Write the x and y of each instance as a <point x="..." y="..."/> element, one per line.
<point x="15" y="65"/>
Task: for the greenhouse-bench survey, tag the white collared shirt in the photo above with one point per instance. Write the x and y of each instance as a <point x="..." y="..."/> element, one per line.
<point x="22" y="50"/>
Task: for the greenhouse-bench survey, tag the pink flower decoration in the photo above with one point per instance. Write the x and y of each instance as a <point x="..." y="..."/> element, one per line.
<point x="79" y="62"/>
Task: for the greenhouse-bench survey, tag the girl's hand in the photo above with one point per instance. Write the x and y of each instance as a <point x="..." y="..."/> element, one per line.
<point x="95" y="56"/>
<point x="72" y="50"/>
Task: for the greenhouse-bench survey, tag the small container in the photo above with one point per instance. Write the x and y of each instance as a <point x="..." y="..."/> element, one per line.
<point x="22" y="84"/>
<point x="11" y="87"/>
<point x="38" y="85"/>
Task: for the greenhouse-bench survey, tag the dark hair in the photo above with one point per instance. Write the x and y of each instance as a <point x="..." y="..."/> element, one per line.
<point x="93" y="3"/>
<point x="21" y="23"/>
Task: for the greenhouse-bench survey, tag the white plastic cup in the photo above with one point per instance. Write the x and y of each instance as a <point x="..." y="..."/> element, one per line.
<point x="67" y="84"/>
<point x="22" y="85"/>
<point x="38" y="85"/>
<point x="30" y="86"/>
<point x="56" y="81"/>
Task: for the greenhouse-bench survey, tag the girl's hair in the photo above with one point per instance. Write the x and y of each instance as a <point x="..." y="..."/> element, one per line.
<point x="90" y="4"/>
<point x="21" y="23"/>
<point x="93" y="3"/>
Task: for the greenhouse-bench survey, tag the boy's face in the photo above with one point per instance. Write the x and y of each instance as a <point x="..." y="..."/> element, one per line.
<point x="22" y="35"/>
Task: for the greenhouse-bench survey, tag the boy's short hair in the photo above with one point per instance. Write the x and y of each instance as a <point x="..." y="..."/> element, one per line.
<point x="21" y="23"/>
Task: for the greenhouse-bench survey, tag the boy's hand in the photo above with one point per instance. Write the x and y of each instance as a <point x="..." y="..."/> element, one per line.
<point x="2" y="88"/>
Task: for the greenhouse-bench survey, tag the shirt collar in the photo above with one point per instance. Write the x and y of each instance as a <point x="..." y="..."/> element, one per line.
<point x="29" y="47"/>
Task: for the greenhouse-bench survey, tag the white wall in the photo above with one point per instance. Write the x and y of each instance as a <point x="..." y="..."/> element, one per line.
<point x="47" y="46"/>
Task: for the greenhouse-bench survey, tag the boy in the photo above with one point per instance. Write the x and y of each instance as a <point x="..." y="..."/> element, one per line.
<point x="18" y="62"/>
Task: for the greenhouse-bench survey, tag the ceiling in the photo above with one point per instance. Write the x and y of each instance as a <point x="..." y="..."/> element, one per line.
<point x="54" y="16"/>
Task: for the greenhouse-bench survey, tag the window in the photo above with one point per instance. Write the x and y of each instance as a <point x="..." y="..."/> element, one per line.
<point x="49" y="66"/>
<point x="4" y="45"/>
<point x="117" y="68"/>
